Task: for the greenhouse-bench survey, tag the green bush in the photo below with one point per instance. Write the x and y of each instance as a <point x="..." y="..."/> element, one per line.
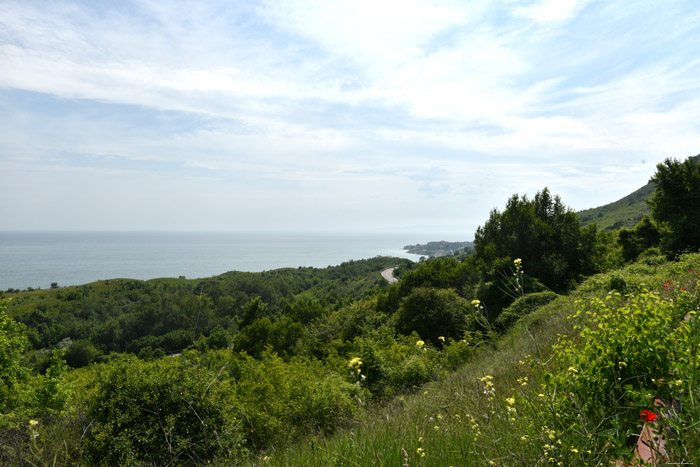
<point x="523" y="306"/>
<point x="161" y="412"/>
<point x="433" y="313"/>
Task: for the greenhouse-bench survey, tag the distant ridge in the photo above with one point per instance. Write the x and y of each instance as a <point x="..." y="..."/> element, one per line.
<point x="625" y="212"/>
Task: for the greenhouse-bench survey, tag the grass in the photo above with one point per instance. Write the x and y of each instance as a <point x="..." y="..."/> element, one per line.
<point x="463" y="420"/>
<point x="625" y="212"/>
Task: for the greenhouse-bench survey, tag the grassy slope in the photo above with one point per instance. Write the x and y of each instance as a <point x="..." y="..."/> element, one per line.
<point x="625" y="212"/>
<point x="437" y="424"/>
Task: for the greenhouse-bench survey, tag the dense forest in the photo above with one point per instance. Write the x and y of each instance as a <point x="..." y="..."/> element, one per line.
<point x="318" y="366"/>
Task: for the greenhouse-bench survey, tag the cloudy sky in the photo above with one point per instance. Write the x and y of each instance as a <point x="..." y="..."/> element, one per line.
<point x="337" y="115"/>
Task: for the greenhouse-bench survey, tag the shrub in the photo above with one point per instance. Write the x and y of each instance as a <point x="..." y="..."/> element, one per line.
<point x="523" y="306"/>
<point x="160" y="412"/>
<point x="433" y="313"/>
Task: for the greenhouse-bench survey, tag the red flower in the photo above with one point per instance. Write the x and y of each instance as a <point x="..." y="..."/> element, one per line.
<point x="647" y="416"/>
<point x="669" y="281"/>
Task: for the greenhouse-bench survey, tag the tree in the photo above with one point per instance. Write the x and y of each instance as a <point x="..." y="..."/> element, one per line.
<point x="12" y="373"/>
<point x="545" y="234"/>
<point x="676" y="203"/>
<point x="433" y="313"/>
<point x="643" y="236"/>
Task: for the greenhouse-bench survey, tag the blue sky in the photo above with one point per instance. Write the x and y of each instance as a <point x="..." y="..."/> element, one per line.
<point x="334" y="115"/>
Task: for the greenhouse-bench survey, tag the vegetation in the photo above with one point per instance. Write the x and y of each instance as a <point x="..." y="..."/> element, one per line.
<point x="441" y="248"/>
<point x="623" y="213"/>
<point x="676" y="203"/>
<point x="542" y="348"/>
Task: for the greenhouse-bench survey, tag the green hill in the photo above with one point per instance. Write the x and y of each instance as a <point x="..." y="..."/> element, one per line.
<point x="625" y="212"/>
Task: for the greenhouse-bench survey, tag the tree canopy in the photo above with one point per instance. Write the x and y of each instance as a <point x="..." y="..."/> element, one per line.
<point x="676" y="203"/>
<point x="544" y="233"/>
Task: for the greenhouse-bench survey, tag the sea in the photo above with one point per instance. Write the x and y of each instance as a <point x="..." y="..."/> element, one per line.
<point x="38" y="259"/>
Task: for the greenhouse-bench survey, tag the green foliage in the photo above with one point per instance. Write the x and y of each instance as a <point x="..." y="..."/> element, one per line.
<point x="523" y="306"/>
<point x="631" y="351"/>
<point x="545" y="234"/>
<point x="623" y="213"/>
<point x="12" y="374"/>
<point x="52" y="392"/>
<point x="643" y="236"/>
<point x="432" y="313"/>
<point x="158" y="413"/>
<point x="81" y="353"/>
<point x="676" y="203"/>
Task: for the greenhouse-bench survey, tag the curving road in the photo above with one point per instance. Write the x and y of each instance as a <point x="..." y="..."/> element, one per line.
<point x="388" y="274"/>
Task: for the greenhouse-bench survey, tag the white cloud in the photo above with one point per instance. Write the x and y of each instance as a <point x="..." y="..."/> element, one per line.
<point x="549" y="10"/>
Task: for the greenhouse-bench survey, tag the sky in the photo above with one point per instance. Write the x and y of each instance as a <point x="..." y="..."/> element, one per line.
<point x="335" y="115"/>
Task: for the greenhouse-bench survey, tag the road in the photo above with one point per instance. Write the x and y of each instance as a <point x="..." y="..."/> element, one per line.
<point x="388" y="274"/>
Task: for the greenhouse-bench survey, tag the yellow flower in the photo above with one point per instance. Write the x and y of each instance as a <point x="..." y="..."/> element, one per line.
<point x="518" y="262"/>
<point x="355" y="362"/>
<point x="441" y="339"/>
<point x="523" y="438"/>
<point x="436" y="428"/>
<point x="33" y="423"/>
<point x="419" y="450"/>
<point x="476" y="303"/>
<point x="266" y="459"/>
<point x="420" y="343"/>
<point x="574" y="450"/>
<point x="510" y="400"/>
<point x="420" y="439"/>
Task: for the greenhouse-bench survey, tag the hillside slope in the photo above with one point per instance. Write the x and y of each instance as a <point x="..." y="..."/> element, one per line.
<point x="625" y="212"/>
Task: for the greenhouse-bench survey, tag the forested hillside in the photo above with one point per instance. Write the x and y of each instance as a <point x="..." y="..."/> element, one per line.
<point x="541" y="347"/>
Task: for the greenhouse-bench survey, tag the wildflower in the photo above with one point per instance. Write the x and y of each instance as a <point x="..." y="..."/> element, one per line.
<point x="420" y="439"/>
<point x="436" y="427"/>
<point x="541" y="395"/>
<point x="476" y="303"/>
<point x="647" y="415"/>
<point x="678" y="382"/>
<point x="355" y="362"/>
<point x="523" y="438"/>
<point x="420" y="343"/>
<point x="266" y="459"/>
<point x="510" y="400"/>
<point x="518" y="262"/>
<point x="574" y="450"/>
<point x="33" y="423"/>
<point x="441" y="339"/>
<point x="439" y="417"/>
<point x="419" y="450"/>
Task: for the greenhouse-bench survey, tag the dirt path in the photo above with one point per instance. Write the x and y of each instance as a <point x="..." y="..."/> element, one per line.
<point x="388" y="274"/>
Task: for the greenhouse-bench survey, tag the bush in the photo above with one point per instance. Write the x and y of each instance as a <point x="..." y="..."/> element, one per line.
<point x="160" y="412"/>
<point x="523" y="306"/>
<point x="433" y="313"/>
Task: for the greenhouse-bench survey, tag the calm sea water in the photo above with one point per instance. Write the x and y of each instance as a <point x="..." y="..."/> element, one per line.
<point x="36" y="259"/>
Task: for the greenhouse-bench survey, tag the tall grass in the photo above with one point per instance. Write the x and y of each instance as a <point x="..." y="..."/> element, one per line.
<point x="501" y="408"/>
